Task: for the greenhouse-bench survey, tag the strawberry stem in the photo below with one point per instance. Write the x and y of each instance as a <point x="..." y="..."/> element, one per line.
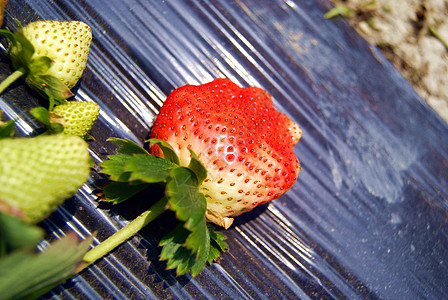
<point x="434" y="32"/>
<point x="11" y="78"/>
<point x="126" y="232"/>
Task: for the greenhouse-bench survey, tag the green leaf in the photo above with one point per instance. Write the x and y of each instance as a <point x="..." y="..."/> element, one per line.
<point x="148" y="168"/>
<point x="42" y="115"/>
<point x="168" y="151"/>
<point x="190" y="205"/>
<point x="20" y="49"/>
<point x="198" y="237"/>
<point x="217" y="244"/>
<point x="189" y="246"/>
<point x="39" y="65"/>
<point x="184" y="196"/>
<point x="15" y="234"/>
<point x="127" y="147"/>
<point x="50" y="86"/>
<point x="23" y="273"/>
<point x="7" y="129"/>
<point x="121" y="191"/>
<point x="199" y="242"/>
<point x="197" y="167"/>
<point x="114" y="167"/>
<point x="174" y="252"/>
<point x="178" y="256"/>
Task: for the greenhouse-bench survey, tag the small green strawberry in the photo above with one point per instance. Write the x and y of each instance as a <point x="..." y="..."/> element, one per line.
<point x="77" y="117"/>
<point x="37" y="174"/>
<point x="51" y="54"/>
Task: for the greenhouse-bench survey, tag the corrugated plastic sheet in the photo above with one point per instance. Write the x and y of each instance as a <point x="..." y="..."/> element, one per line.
<point x="368" y="215"/>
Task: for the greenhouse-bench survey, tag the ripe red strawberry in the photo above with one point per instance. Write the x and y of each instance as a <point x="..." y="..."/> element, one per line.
<point x="244" y="143"/>
<point x="52" y="55"/>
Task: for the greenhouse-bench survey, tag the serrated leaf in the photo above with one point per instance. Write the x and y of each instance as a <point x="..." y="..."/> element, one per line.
<point x="9" y="35"/>
<point x="174" y="252"/>
<point x="176" y="236"/>
<point x="190" y="206"/>
<point x="118" y="192"/>
<point x="197" y="167"/>
<point x="127" y="147"/>
<point x="199" y="242"/>
<point x="188" y="251"/>
<point x="182" y="261"/>
<point x="184" y="196"/>
<point x="217" y="244"/>
<point x="214" y="253"/>
<point x="148" y="168"/>
<point x="15" y="234"/>
<point x="198" y="237"/>
<point x="23" y="273"/>
<point x="114" y="167"/>
<point x="168" y="151"/>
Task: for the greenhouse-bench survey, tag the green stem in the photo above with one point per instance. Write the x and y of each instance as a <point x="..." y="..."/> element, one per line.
<point x="11" y="78"/>
<point x="126" y="232"/>
<point x="434" y="32"/>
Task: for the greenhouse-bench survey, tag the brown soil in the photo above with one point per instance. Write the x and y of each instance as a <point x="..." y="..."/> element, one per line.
<point x="413" y="35"/>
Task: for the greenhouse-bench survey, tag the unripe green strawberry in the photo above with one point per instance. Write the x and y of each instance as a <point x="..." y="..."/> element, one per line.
<point x="37" y="174"/>
<point x="67" y="43"/>
<point x="52" y="55"/>
<point x="77" y="117"/>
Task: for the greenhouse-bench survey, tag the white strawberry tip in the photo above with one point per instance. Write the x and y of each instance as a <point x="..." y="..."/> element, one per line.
<point x="216" y="218"/>
<point x="296" y="132"/>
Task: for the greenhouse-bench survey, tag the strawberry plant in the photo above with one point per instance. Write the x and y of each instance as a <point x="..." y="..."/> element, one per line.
<point x="219" y="151"/>
<point x="37" y="174"/>
<point x="52" y="55"/>
<point x="216" y="149"/>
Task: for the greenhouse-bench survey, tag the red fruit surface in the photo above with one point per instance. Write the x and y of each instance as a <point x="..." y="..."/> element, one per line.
<point x="244" y="143"/>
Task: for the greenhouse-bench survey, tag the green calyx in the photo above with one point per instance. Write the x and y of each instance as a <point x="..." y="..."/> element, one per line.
<point x="20" y="52"/>
<point x="70" y="118"/>
<point x="193" y="243"/>
<point x="28" y="274"/>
